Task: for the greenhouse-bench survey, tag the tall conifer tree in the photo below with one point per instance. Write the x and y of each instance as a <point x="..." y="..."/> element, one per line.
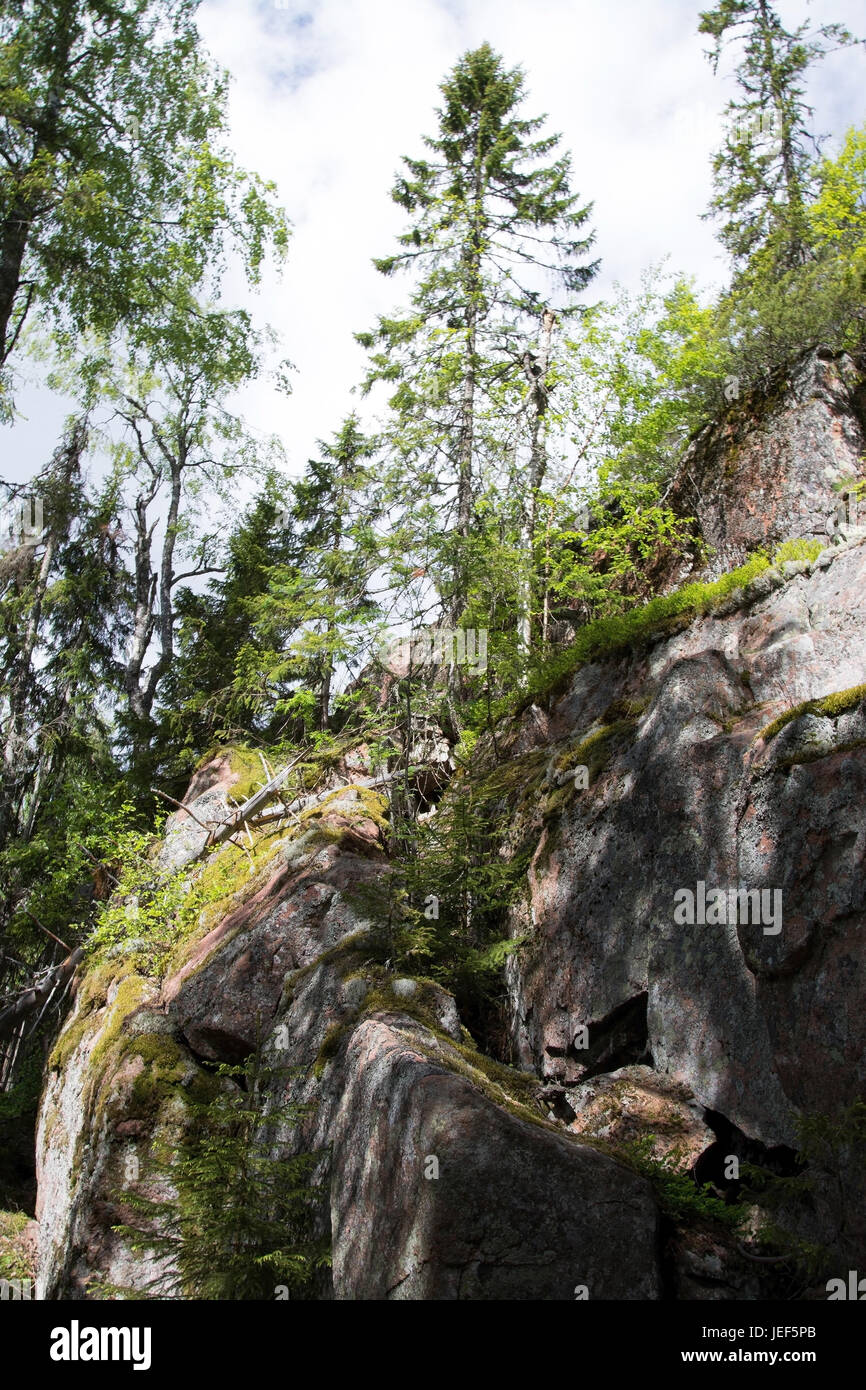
<point x="763" y="172"/>
<point x="493" y="222"/>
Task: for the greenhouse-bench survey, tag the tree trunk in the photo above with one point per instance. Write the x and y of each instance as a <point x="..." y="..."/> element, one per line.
<point x="466" y="435"/>
<point x="536" y="369"/>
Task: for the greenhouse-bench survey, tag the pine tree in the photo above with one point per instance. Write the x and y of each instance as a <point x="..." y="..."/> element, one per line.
<point x="492" y="222"/>
<point x="340" y="548"/>
<point x="764" y="171"/>
<point x="244" y="1219"/>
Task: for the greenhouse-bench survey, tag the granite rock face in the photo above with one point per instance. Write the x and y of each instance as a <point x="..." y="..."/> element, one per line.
<point x="693" y="968"/>
<point x="467" y="1200"/>
<point x="777" y="474"/>
<point x="514" y="1209"/>
<point x="626" y="1105"/>
<point x="760" y="1019"/>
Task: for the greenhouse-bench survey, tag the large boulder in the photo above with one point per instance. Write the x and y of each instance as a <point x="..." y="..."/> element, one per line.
<point x="438" y="1193"/>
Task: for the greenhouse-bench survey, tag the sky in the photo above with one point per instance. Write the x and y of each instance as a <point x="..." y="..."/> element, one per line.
<point x="327" y="96"/>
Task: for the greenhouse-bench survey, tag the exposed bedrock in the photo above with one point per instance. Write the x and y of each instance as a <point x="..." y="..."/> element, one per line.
<point x="758" y="1019"/>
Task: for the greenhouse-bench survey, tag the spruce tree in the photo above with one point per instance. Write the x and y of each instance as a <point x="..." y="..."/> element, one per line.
<point x="199" y="701"/>
<point x="316" y="615"/>
<point x="493" y="222"/>
<point x="763" y="173"/>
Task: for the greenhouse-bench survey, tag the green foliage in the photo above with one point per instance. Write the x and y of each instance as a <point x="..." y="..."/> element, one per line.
<point x="598" y="571"/>
<point x="152" y="913"/>
<point x="202" y="704"/>
<point x="831" y="1149"/>
<point x="638" y="375"/>
<point x="490" y="208"/>
<point x="838" y="215"/>
<point x="679" y="1196"/>
<point x="244" y="1220"/>
<point x="768" y="329"/>
<point x="15" y="1260"/>
<point x="440" y="911"/>
<point x="314" y="618"/>
<point x="763" y="172"/>
<point x="604" y="637"/>
<point x="115" y="178"/>
<point x="23" y="1097"/>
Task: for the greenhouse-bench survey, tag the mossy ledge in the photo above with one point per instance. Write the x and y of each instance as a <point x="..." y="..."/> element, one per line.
<point x="661" y="617"/>
<point x="829" y="706"/>
<point x="512" y="1090"/>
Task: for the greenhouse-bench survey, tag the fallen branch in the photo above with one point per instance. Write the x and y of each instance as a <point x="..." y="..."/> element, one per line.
<point x="165" y="796"/>
<point x="37" y="994"/>
<point x="98" y="863"/>
<point x="217" y="834"/>
<point x="45" y="929"/>
<point x="304" y="803"/>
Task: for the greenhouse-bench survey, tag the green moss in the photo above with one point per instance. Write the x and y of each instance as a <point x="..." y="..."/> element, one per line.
<point x="508" y="1088"/>
<point x="510" y="789"/>
<point x="622" y="709"/>
<point x="92" y="996"/>
<point x="332" y="1040"/>
<point x="375" y="806"/>
<point x="592" y="753"/>
<point x="346" y="956"/>
<point x="830" y="706"/>
<point x="421" y="1005"/>
<point x="244" y="764"/>
<point x="132" y="992"/>
<point x="231" y="875"/>
<point x="606" y="637"/>
<point x="164" y="1070"/>
<point x="12" y="1223"/>
<point x="518" y="1086"/>
<point x="167" y="1075"/>
<point x="381" y="998"/>
<point x="518" y="773"/>
<point x="366" y="804"/>
<point x="16" y="1258"/>
<point x="798" y="550"/>
<point x="814" y="755"/>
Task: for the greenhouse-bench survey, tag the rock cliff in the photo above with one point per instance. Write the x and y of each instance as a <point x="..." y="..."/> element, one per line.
<point x="725" y="753"/>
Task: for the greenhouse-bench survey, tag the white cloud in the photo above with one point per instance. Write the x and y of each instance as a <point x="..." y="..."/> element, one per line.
<point x="327" y="97"/>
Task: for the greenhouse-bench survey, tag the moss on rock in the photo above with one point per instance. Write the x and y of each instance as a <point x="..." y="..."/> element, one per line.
<point x="830" y="707"/>
<point x="92" y="997"/>
<point x="352" y="802"/>
<point x="593" y="753"/>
